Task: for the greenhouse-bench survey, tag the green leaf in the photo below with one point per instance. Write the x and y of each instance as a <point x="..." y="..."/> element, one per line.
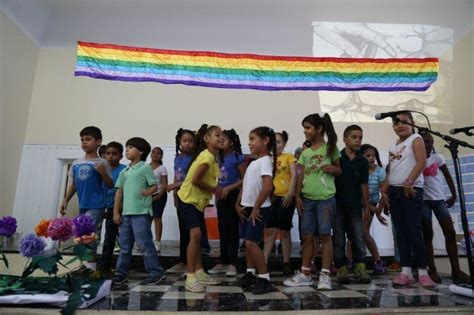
<point x="5" y="260"/>
<point x="48" y="265"/>
<point x="74" y="299"/>
<point x="73" y="259"/>
<point x="80" y="250"/>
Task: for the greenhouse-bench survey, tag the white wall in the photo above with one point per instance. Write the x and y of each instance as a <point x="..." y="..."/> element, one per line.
<point x="18" y="58"/>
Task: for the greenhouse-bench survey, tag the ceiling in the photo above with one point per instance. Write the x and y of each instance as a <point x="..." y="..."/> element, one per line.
<point x="260" y="26"/>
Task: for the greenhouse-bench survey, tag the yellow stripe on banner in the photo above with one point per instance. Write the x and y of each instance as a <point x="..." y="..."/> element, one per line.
<point x="255" y="64"/>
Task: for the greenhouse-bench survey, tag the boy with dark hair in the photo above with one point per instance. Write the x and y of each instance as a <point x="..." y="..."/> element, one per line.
<point x="132" y="211"/>
<point x="351" y="188"/>
<point x="89" y="174"/>
<point x="113" y="155"/>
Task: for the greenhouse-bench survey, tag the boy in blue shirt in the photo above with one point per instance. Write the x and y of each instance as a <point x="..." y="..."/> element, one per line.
<point x="89" y="174"/>
<point x="133" y="210"/>
<point x="113" y="155"/>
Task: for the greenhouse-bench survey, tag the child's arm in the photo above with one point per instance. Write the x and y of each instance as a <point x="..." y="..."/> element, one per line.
<point x="420" y="156"/>
<point x="239" y="209"/>
<point x="164" y="184"/>
<point x="150" y="190"/>
<point x="449" y="180"/>
<point x="384" y="201"/>
<point x="118" y="206"/>
<point x="71" y="190"/>
<point x="291" y="191"/>
<point x="102" y="170"/>
<point x="333" y="169"/>
<point x="226" y="190"/>
<point x="299" y="186"/>
<point x="267" y="188"/>
<point x="199" y="176"/>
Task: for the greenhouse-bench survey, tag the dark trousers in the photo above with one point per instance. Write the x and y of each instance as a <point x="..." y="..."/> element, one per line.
<point x="348" y="221"/>
<point x="406" y="215"/>
<point x="111" y="233"/>
<point x="228" y="221"/>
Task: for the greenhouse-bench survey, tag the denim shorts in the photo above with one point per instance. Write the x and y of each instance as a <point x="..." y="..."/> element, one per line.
<point x="254" y="232"/>
<point x="318" y="216"/>
<point x="439" y="208"/>
<point x="190" y="216"/>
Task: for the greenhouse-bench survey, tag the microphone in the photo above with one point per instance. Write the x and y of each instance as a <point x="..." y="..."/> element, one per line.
<point x="454" y="131"/>
<point x="381" y="116"/>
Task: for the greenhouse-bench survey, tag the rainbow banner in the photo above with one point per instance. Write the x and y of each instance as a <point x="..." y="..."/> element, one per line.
<point x="258" y="72"/>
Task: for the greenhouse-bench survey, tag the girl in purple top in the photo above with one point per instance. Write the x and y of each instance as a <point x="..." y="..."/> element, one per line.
<point x="232" y="169"/>
<point x="184" y="154"/>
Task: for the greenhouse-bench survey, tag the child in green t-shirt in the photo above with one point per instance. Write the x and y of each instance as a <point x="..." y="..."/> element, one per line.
<point x="315" y="199"/>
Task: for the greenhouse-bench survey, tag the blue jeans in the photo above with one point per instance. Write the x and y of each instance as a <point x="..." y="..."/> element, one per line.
<point x="406" y="214"/>
<point x="137" y="228"/>
<point x="348" y="221"/>
<point x="439" y="208"/>
<point x="98" y="216"/>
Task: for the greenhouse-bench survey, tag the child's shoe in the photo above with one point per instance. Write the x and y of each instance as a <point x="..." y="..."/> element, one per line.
<point x="152" y="280"/>
<point x="248" y="280"/>
<point x="403" y="279"/>
<point x="299" y="280"/>
<point x="360" y="273"/>
<point x="324" y="281"/>
<point x="205" y="279"/>
<point x="380" y="268"/>
<point x="343" y="275"/>
<point x="263" y="286"/>
<point x="395" y="267"/>
<point x="192" y="285"/>
<point x="219" y="268"/>
<point x="425" y="281"/>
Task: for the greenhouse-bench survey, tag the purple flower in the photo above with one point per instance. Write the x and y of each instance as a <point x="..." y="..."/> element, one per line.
<point x="7" y="226"/>
<point x="84" y="225"/>
<point x="60" y="229"/>
<point x="31" y="245"/>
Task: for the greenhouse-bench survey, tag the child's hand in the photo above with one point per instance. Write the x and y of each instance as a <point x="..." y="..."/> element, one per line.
<point x="255" y="216"/>
<point x="63" y="208"/>
<point x="117" y="218"/>
<point x="385" y="200"/>
<point x="145" y="193"/>
<point x="451" y="201"/>
<point x="171" y="187"/>
<point x="155" y="197"/>
<point x="381" y="218"/>
<point x="241" y="213"/>
<point x="287" y="199"/>
<point x="328" y="169"/>
<point x="409" y="191"/>
<point x="217" y="192"/>
<point x="299" y="205"/>
<point x="366" y="215"/>
<point x="100" y="168"/>
<point x="223" y="194"/>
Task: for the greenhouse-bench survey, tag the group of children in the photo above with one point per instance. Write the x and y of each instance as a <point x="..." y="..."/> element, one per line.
<point x="336" y="193"/>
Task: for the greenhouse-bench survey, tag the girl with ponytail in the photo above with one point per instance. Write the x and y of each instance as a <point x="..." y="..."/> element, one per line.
<point x="315" y="201"/>
<point x="254" y="206"/>
<point x="232" y="170"/>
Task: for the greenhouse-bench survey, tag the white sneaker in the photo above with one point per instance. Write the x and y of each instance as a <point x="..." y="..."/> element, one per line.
<point x="219" y="268"/>
<point x="299" y="280"/>
<point x="231" y="271"/>
<point x="324" y="282"/>
<point x="157" y="245"/>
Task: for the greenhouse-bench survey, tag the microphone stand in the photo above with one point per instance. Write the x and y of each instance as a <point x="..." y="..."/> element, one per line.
<point x="453" y="145"/>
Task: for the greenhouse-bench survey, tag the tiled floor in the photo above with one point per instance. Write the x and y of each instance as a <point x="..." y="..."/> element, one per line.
<point x="170" y="295"/>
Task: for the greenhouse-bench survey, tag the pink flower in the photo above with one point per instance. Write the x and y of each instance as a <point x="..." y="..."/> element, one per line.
<point x="60" y="229"/>
<point x="85" y="239"/>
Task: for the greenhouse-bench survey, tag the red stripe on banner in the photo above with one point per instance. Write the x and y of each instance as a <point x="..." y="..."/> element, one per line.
<point x="257" y="57"/>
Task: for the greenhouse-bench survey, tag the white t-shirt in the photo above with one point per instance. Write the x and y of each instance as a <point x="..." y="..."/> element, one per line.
<point x="433" y="189"/>
<point x="253" y="181"/>
<point x="402" y="161"/>
<point x="158" y="172"/>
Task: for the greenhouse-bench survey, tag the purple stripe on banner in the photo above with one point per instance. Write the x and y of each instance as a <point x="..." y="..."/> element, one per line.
<point x="236" y="82"/>
<point x="330" y="87"/>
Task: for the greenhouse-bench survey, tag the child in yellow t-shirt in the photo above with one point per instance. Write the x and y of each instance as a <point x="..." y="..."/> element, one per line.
<point x="283" y="205"/>
<point x="194" y="195"/>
